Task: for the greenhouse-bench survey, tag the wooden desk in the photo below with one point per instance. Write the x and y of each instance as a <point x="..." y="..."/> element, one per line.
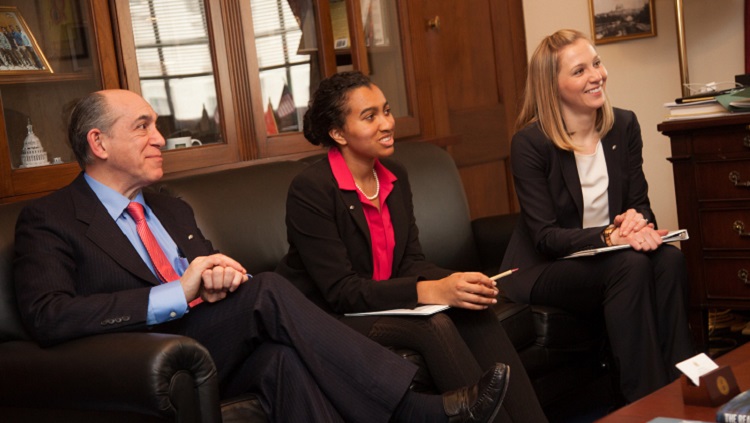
<point x="667" y="401"/>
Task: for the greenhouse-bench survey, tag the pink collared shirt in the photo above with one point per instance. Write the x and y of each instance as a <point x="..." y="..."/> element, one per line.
<point x="379" y="223"/>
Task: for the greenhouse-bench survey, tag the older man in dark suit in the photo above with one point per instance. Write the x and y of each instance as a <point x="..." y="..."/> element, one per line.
<point x="101" y="255"/>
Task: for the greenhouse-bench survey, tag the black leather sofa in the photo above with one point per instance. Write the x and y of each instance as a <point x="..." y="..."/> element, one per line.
<point x="153" y="377"/>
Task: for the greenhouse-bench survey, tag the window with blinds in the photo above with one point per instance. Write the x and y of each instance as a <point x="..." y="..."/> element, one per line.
<point x="286" y="45"/>
<point x="175" y="67"/>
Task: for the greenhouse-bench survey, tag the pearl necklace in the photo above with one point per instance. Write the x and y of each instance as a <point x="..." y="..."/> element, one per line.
<point x="377" y="187"/>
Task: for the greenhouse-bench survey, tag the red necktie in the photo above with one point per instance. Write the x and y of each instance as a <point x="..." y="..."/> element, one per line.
<point x="164" y="269"/>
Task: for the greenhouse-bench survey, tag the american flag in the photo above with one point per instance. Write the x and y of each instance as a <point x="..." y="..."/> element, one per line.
<point x="286" y="103"/>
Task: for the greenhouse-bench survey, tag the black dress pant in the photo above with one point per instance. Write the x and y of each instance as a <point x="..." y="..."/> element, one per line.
<point x="643" y="298"/>
<point x="326" y="371"/>
<point x="458" y="345"/>
<point x="286" y="389"/>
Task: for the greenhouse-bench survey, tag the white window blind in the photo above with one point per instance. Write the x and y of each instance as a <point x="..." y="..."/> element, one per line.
<point x="171" y="38"/>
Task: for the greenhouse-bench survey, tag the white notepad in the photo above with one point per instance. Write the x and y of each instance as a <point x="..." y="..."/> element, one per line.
<point x="678" y="235"/>
<point x="424" y="310"/>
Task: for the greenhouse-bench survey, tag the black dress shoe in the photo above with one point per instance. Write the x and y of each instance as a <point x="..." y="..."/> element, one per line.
<point x="480" y="402"/>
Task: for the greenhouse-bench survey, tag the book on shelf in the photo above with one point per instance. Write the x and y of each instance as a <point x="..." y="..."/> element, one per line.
<point x="695" y="109"/>
<point x="736" y="410"/>
<point x="340" y="25"/>
<point x="720" y="104"/>
<point x="374" y="24"/>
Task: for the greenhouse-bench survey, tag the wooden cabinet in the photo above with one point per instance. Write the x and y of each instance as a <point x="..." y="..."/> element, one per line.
<point x="75" y="38"/>
<point x="453" y="73"/>
<point x="711" y="162"/>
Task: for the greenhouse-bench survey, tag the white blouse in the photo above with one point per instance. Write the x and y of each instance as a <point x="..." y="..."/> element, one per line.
<point x="592" y="172"/>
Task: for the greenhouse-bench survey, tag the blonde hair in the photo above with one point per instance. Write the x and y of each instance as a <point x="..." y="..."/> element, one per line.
<point x="541" y="102"/>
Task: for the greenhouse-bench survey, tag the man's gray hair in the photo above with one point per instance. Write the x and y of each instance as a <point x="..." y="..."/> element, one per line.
<point x="91" y="112"/>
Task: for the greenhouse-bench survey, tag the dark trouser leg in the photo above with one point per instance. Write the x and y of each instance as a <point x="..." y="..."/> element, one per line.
<point x="489" y="343"/>
<point x="449" y="361"/>
<point x="286" y="389"/>
<point x="622" y="285"/>
<point x="671" y="295"/>
<point x="363" y="380"/>
<point x="457" y="346"/>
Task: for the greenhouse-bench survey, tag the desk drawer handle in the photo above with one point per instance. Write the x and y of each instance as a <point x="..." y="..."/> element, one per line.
<point x="746" y="141"/>
<point x="739" y="227"/>
<point x="743" y="274"/>
<point x="734" y="176"/>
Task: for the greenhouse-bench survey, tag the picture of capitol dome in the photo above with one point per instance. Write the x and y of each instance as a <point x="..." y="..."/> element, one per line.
<point x="32" y="153"/>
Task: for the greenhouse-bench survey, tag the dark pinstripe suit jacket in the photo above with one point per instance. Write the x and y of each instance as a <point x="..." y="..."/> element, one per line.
<point x="77" y="274"/>
<point x="551" y="199"/>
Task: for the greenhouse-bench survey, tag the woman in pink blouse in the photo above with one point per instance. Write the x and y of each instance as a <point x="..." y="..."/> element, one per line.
<point x="354" y="247"/>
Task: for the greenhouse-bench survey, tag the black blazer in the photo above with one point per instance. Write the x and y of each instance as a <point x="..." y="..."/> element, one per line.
<point x="330" y="253"/>
<point x="77" y="274"/>
<point x="551" y="199"/>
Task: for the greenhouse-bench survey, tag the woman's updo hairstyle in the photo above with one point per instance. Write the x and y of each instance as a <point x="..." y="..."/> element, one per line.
<point x="327" y="108"/>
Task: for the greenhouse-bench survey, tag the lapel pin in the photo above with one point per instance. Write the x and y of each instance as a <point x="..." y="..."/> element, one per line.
<point x="614" y="147"/>
<point x="190" y="236"/>
<point x="351" y="207"/>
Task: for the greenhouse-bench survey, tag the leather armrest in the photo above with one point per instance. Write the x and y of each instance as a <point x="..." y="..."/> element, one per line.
<point x="492" y="235"/>
<point x="422" y="381"/>
<point x="558" y="329"/>
<point x="146" y="373"/>
<point x="517" y="321"/>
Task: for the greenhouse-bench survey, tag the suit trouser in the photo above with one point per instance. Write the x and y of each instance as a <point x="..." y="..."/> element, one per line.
<point x="363" y="381"/>
<point x="286" y="389"/>
<point x="643" y="297"/>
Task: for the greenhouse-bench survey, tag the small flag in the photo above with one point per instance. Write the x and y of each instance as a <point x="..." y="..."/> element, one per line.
<point x="271" y="127"/>
<point x="286" y="103"/>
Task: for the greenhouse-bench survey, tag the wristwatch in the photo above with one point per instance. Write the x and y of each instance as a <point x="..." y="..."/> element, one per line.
<point x="606" y="234"/>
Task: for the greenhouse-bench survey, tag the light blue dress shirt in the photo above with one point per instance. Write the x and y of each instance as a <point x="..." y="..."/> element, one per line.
<point x="166" y="301"/>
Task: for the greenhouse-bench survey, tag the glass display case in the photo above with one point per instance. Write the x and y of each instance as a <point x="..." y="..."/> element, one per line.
<point x="384" y="60"/>
<point x="37" y="93"/>
<point x="49" y="58"/>
<point x="297" y="41"/>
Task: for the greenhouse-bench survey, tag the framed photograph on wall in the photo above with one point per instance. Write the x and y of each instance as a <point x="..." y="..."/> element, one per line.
<point x="19" y="51"/>
<point x="618" y="20"/>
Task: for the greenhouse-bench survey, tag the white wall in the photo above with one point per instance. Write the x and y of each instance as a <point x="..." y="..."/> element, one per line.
<point x="644" y="73"/>
<point x="714" y="36"/>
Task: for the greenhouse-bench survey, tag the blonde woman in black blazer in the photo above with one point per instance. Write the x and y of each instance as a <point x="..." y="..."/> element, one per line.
<point x="577" y="169"/>
<point x="331" y="255"/>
